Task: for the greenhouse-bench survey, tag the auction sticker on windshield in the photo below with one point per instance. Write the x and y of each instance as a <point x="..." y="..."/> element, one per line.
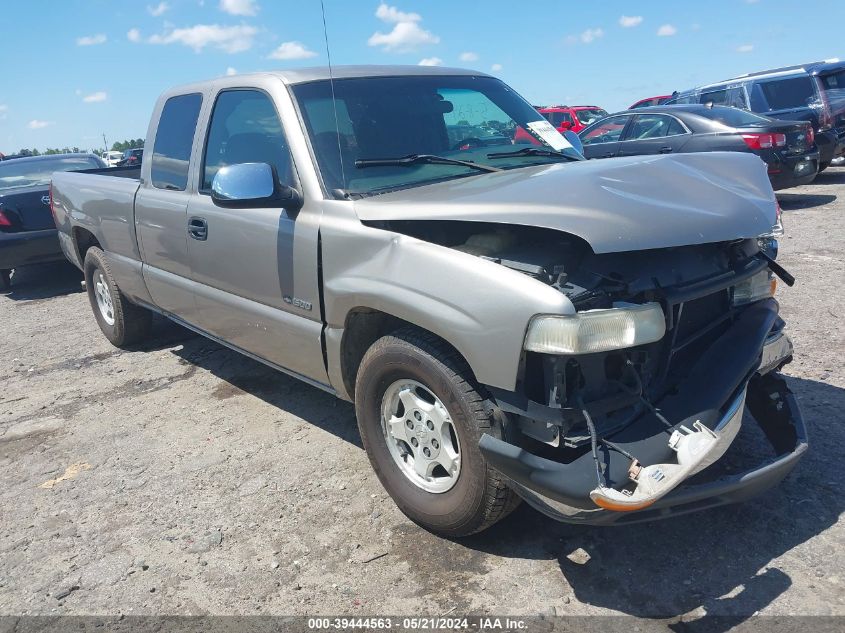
<point x="546" y="132"/>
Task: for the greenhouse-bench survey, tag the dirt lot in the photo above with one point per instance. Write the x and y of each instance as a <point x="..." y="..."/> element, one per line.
<point x="184" y="478"/>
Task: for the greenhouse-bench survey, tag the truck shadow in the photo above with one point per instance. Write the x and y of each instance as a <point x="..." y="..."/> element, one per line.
<point x="44" y="281"/>
<point x="724" y="561"/>
<point x="242" y="376"/>
<point x="798" y="201"/>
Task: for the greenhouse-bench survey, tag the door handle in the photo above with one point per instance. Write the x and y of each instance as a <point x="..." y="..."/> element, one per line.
<point x="666" y="150"/>
<point x="198" y="228"/>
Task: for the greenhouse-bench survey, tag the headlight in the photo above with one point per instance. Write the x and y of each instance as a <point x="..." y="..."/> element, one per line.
<point x="596" y="330"/>
<point x="760" y="286"/>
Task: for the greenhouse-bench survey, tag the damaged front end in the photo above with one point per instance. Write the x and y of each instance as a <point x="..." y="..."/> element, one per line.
<point x="621" y="406"/>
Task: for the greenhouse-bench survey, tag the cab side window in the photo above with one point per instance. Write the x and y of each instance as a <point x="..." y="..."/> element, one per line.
<point x="245" y="128"/>
<point x="174" y="140"/>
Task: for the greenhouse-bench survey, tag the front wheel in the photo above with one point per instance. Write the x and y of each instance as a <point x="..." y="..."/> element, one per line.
<point x="823" y="166"/>
<point x="122" y="322"/>
<point x="421" y="416"/>
<point x="5" y="279"/>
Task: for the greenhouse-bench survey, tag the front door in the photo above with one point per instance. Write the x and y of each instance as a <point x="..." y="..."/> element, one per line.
<point x="654" y="134"/>
<point x="601" y="140"/>
<point x="255" y="268"/>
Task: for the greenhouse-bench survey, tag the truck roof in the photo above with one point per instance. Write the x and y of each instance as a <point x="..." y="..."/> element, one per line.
<point x="319" y="73"/>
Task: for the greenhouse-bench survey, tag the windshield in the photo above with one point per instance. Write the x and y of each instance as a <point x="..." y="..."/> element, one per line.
<point x="25" y="173"/>
<point x="588" y="116"/>
<point x="460" y="117"/>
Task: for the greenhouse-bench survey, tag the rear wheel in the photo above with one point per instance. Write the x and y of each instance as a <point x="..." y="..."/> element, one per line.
<point x="5" y="279"/>
<point x="123" y="322"/>
<point x="421" y="415"/>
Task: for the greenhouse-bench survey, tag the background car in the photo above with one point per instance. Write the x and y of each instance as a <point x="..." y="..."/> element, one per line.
<point x="27" y="231"/>
<point x="651" y="101"/>
<point x="810" y="92"/>
<point x="573" y="118"/>
<point x="112" y="158"/>
<point x="787" y="147"/>
<point x="131" y="157"/>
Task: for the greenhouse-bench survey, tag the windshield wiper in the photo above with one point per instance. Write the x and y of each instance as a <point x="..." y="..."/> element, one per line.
<point x="421" y="159"/>
<point x="532" y="151"/>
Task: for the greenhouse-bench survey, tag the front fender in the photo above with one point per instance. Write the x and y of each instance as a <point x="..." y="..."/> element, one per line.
<point x="479" y="307"/>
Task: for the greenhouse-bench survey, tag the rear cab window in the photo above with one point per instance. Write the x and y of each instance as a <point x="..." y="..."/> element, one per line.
<point x="174" y="141"/>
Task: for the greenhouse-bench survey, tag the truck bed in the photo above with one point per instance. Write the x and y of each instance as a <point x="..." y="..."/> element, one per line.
<point x="130" y="171"/>
<point x="102" y="205"/>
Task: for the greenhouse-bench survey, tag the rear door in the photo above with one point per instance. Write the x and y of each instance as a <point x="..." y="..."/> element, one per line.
<point x="161" y="207"/>
<point x="601" y="140"/>
<point x="654" y="134"/>
<point x="247" y="261"/>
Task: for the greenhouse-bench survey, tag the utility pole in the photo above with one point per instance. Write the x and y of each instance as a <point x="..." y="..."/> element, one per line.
<point x="105" y="144"/>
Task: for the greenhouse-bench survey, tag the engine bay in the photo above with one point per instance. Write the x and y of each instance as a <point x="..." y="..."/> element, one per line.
<point x="615" y="387"/>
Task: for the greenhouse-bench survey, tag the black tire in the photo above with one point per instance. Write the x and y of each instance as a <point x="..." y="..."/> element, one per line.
<point x="5" y="280"/>
<point x="823" y="166"/>
<point x="479" y="496"/>
<point x="131" y="322"/>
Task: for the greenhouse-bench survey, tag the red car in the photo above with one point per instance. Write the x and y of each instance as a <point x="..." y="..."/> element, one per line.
<point x="651" y="101"/>
<point x="574" y="118"/>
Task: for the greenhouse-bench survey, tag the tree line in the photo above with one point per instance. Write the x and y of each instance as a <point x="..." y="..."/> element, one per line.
<point x="117" y="146"/>
<point x="122" y="146"/>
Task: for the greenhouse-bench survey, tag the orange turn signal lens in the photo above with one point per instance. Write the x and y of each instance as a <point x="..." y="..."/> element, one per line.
<point x="607" y="504"/>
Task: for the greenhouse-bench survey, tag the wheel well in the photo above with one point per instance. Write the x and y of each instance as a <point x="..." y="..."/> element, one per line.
<point x="84" y="239"/>
<point x="362" y="328"/>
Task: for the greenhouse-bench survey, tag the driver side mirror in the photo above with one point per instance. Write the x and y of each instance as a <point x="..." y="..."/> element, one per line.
<point x="566" y="125"/>
<point x="252" y="185"/>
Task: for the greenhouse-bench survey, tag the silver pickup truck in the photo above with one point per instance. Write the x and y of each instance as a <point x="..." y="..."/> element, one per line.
<point x="510" y="320"/>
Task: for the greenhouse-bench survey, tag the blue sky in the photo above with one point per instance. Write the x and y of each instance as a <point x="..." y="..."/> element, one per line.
<point x="76" y="69"/>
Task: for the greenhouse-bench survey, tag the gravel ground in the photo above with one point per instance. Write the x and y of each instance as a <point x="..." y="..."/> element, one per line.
<point x="186" y="479"/>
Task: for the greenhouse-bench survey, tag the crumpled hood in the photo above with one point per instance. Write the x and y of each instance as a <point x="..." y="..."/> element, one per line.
<point x="614" y="204"/>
